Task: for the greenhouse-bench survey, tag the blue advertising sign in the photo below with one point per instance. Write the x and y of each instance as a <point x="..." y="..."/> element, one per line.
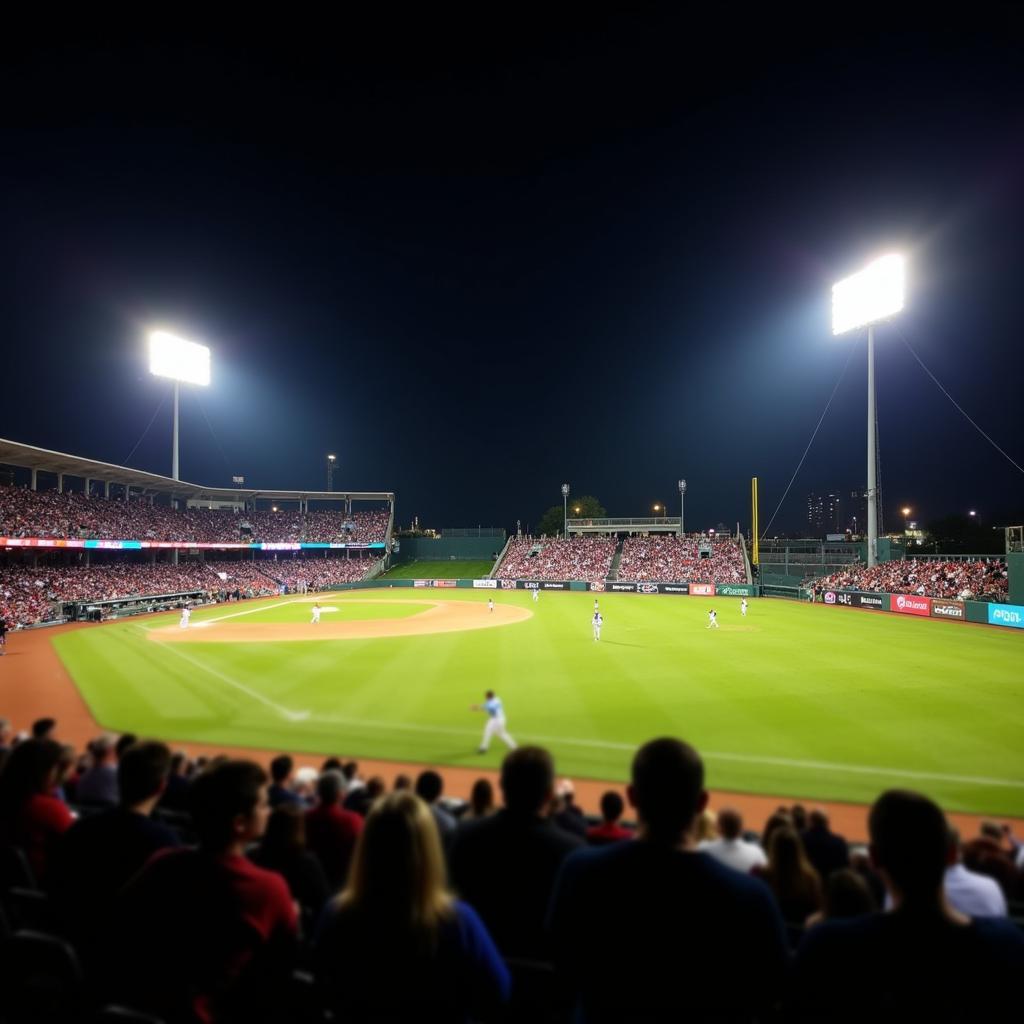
<point x="1006" y="615"/>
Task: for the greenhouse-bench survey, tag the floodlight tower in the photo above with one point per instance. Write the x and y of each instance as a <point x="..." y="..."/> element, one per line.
<point x="331" y="461"/>
<point x="565" y="510"/>
<point x="873" y="294"/>
<point x="184" y="362"/>
<point x="682" y="506"/>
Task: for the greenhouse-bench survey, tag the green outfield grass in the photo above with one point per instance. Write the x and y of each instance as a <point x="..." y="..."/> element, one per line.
<point x="438" y="570"/>
<point x="800" y="700"/>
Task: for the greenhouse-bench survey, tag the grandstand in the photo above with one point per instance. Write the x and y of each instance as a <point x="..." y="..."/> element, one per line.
<point x="81" y="537"/>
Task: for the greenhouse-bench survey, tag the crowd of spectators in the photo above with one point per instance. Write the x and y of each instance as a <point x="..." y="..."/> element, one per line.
<point x="191" y="889"/>
<point x="667" y="558"/>
<point x="75" y="515"/>
<point x="981" y="580"/>
<point x="31" y="595"/>
<point x="573" y="558"/>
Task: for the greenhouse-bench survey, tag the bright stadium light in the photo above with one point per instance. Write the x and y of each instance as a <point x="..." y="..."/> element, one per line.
<point x="861" y="300"/>
<point x="871" y="295"/>
<point x="183" y="362"/>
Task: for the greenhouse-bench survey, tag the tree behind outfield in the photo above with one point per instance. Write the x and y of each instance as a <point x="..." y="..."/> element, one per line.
<point x="589" y="508"/>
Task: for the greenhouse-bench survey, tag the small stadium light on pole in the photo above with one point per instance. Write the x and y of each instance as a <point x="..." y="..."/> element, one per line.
<point x="861" y="300"/>
<point x="184" y="362"/>
<point x="331" y="461"/>
<point x="565" y="510"/>
<point x="682" y="505"/>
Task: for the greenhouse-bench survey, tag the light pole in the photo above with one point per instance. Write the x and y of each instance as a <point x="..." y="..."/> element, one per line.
<point x="906" y="516"/>
<point x="565" y="510"/>
<point x="331" y="460"/>
<point x="861" y="300"/>
<point x="682" y="505"/>
<point x="184" y="362"/>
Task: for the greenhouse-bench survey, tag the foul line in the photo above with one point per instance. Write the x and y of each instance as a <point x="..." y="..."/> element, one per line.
<point x="831" y="766"/>
<point x="293" y="716"/>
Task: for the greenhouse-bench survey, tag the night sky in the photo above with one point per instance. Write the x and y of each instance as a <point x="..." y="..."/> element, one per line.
<point x="478" y="258"/>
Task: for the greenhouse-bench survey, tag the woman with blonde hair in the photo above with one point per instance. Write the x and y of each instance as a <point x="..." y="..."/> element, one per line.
<point x="395" y="944"/>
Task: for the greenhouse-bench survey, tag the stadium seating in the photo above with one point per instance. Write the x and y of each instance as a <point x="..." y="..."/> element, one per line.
<point x="575" y="558"/>
<point x="982" y="580"/>
<point x="667" y="558"/>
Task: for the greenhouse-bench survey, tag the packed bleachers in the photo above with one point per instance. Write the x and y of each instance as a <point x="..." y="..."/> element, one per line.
<point x="318" y="573"/>
<point x="51" y="514"/>
<point x="161" y="878"/>
<point x="668" y="558"/>
<point x="982" y="580"/>
<point x="575" y="558"/>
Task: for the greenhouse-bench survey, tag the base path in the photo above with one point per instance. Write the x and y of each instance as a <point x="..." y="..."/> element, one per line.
<point x="439" y="617"/>
<point x="34" y="684"/>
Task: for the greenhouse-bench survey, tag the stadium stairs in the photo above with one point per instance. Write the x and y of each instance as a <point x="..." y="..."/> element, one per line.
<point x="746" y="557"/>
<point x="493" y="574"/>
<point x="613" y="571"/>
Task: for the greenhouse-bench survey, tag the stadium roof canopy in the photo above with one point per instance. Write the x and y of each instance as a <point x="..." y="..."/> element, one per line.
<point x="27" y="456"/>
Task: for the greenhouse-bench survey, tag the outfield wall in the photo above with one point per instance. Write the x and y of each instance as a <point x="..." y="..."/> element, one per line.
<point x="992" y="614"/>
<point x="443" y="549"/>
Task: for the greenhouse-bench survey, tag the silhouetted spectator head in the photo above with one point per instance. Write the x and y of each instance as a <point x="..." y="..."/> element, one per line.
<point x="667" y="788"/>
<point x="817" y="820"/>
<point x="730" y="823"/>
<point x="125" y="743"/>
<point x="103" y="748"/>
<point x="332" y="764"/>
<point x="330" y="787"/>
<point x="909" y="842"/>
<point x="375" y="787"/>
<point x="179" y="763"/>
<point x="31" y="768"/>
<point x="402" y="782"/>
<point x="847" y="895"/>
<point x="612" y="806"/>
<point x="527" y="780"/>
<point x="142" y="772"/>
<point x="799" y="815"/>
<point x="780" y="819"/>
<point x="286" y="830"/>
<point x="281" y="768"/>
<point x="350" y="770"/>
<point x="43" y="728"/>
<point x="228" y="801"/>
<point x="429" y="786"/>
<point x="481" y="798"/>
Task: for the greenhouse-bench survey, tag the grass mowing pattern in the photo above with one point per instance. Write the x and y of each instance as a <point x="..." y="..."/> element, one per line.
<point x="816" y="702"/>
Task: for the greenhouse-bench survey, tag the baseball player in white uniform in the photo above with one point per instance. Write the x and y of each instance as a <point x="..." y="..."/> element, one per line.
<point x="595" y="606"/>
<point x="743" y="607"/>
<point x="490" y="604"/>
<point x="316" y="614"/>
<point x="186" y="614"/>
<point x="535" y="593"/>
<point x="712" y="619"/>
<point x="597" y="621"/>
<point x="495" y="712"/>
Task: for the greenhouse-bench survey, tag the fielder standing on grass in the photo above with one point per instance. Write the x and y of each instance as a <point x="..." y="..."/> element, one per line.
<point x="186" y="614"/>
<point x="712" y="620"/>
<point x="490" y="604"/>
<point x="495" y="712"/>
<point x="597" y="622"/>
<point x="316" y="614"/>
<point x="536" y="593"/>
<point x="743" y="607"/>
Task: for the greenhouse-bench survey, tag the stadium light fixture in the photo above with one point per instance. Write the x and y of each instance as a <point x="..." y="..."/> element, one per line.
<point x="184" y="362"/>
<point x="331" y="463"/>
<point x="861" y="300"/>
<point x="972" y="513"/>
<point x="565" y="510"/>
<point x="682" y="505"/>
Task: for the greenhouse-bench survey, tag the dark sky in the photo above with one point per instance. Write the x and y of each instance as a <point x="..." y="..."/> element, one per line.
<point x="480" y="257"/>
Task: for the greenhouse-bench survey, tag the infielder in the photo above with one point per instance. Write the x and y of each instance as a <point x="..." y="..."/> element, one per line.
<point x="743" y="607"/>
<point x="712" y="619"/>
<point x="316" y="614"/>
<point x="597" y="622"/>
<point x="186" y="614"/>
<point x="492" y="707"/>
<point x="490" y="604"/>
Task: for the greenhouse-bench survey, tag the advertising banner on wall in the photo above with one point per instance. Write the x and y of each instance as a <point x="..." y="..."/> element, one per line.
<point x="445" y="583"/>
<point x="620" y="588"/>
<point x="485" y="584"/>
<point x="703" y="589"/>
<point x="675" y="588"/>
<point x="911" y="604"/>
<point x="943" y="609"/>
<point x="421" y="583"/>
<point x="597" y="586"/>
<point x="1006" y="615"/>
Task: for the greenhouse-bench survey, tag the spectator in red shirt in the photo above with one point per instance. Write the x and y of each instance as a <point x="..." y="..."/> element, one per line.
<point x="205" y="934"/>
<point x="609" y="831"/>
<point x="331" y="831"/>
<point x="30" y="815"/>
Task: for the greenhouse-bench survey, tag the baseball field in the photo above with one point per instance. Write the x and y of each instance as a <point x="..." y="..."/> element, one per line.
<point x="809" y="701"/>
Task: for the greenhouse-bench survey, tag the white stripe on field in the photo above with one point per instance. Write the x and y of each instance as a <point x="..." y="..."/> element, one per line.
<point x="856" y="769"/>
<point x="293" y="716"/>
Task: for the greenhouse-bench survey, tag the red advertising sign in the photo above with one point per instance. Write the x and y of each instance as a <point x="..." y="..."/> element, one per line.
<point x="703" y="589"/>
<point x="444" y="583"/>
<point x="911" y="604"/>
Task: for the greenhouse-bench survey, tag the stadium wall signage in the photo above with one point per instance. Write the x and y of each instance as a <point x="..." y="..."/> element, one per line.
<point x="1006" y="615"/>
<point x="943" y="609"/>
<point x="445" y="583"/>
<point x="703" y="589"/>
<point x="485" y="584"/>
<point x="911" y="604"/>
